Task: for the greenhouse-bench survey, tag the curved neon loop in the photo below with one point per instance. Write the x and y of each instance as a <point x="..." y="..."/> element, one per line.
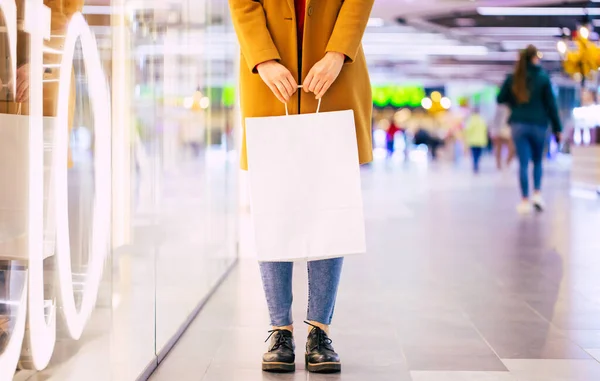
<point x="100" y="101"/>
<point x="42" y="333"/>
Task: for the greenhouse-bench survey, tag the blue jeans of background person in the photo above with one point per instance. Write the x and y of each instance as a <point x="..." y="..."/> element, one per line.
<point x="530" y="142"/>
<point x="476" y="153"/>
<point x="323" y="281"/>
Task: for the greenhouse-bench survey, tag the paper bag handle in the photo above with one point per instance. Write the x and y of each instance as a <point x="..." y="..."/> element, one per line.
<point x="318" y="105"/>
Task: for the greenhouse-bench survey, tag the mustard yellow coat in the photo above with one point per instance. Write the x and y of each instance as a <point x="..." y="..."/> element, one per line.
<point x="266" y="30"/>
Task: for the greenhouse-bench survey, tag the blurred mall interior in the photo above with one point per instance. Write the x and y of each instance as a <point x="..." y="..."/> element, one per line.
<point x="126" y="249"/>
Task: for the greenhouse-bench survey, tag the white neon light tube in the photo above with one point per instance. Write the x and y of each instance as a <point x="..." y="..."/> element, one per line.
<point x="42" y="333"/>
<point x="98" y="92"/>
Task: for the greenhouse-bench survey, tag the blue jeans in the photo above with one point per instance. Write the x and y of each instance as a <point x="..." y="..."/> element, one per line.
<point x="530" y="142"/>
<point x="476" y="153"/>
<point x="323" y="281"/>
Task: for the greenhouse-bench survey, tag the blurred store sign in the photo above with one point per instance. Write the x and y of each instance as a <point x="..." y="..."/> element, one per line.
<point x="398" y="96"/>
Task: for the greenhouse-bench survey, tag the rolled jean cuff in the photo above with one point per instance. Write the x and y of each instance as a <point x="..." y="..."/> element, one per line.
<point x="319" y="319"/>
<point x="282" y="322"/>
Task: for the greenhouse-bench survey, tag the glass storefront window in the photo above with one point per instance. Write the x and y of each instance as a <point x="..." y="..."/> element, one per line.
<point x="118" y="167"/>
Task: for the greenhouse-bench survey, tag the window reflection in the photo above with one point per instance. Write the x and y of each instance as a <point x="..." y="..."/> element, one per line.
<point x="169" y="66"/>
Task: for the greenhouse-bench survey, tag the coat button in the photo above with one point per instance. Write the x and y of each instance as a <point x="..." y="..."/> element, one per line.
<point x="310" y="11"/>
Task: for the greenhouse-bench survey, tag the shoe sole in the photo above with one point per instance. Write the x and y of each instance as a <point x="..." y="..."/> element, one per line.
<point x="278" y="367"/>
<point x="325" y="367"/>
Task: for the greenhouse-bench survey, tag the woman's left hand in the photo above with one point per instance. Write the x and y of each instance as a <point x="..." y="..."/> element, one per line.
<point x="22" y="94"/>
<point x="324" y="73"/>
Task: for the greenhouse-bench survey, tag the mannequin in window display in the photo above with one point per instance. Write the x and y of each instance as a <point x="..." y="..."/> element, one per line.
<point x="18" y="103"/>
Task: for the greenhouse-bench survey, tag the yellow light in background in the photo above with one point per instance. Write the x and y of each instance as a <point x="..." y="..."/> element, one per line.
<point x="436" y="96"/>
<point x="204" y="102"/>
<point x="446" y="103"/>
<point x="584" y="32"/>
<point x="561" y="46"/>
<point x="426" y="103"/>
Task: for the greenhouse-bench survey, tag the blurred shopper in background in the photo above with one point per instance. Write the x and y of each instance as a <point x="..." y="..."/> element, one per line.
<point x="528" y="92"/>
<point x="433" y="143"/>
<point x="318" y="44"/>
<point x="476" y="137"/>
<point x="390" y="137"/>
<point x="502" y="136"/>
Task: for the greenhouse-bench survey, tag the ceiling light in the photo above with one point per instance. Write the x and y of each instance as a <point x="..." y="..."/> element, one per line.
<point x="537" y="11"/>
<point x="513" y="31"/>
<point x="204" y="102"/>
<point x="426" y="103"/>
<point x="428" y="50"/>
<point x="446" y="103"/>
<point x="519" y="44"/>
<point x="584" y="32"/>
<point x="561" y="46"/>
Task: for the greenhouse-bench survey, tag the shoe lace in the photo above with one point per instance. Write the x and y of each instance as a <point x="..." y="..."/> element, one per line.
<point x="322" y="339"/>
<point x="280" y="340"/>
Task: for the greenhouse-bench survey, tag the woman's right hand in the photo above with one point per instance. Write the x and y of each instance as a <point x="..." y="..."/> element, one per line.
<point x="279" y="79"/>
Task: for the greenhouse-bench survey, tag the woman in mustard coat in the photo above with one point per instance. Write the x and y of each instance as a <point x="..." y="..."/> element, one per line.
<point x="315" y="43"/>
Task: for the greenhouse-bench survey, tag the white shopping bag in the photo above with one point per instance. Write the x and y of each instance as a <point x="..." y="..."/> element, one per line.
<point x="305" y="189"/>
<point x="14" y="169"/>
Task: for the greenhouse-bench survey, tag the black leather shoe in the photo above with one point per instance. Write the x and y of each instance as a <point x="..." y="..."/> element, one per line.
<point x="320" y="355"/>
<point x="280" y="357"/>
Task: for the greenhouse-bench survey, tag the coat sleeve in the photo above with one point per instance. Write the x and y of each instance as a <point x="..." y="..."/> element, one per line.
<point x="505" y="95"/>
<point x="551" y="107"/>
<point x="250" y="25"/>
<point x="350" y="27"/>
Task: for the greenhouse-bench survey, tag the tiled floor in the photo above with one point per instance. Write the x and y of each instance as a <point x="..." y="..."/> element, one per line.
<point x="455" y="287"/>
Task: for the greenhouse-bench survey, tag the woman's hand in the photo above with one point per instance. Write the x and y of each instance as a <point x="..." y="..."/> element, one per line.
<point x="279" y="79"/>
<point x="22" y="94"/>
<point x="324" y="73"/>
<point x="558" y="137"/>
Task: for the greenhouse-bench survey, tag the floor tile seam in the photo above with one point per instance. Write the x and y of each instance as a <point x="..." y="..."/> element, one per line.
<point x="592" y="356"/>
<point x="561" y="332"/>
<point x="207" y="369"/>
<point x="573" y="290"/>
<point x="472" y="323"/>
